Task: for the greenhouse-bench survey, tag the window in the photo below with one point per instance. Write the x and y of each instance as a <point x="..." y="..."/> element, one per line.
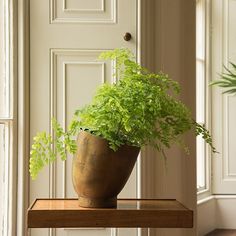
<point x="4" y="122"/>
<point x="7" y="119"/>
<point x="202" y="76"/>
<point x="200" y="93"/>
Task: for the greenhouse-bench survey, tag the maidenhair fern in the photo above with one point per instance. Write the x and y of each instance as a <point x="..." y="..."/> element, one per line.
<point x="140" y="109"/>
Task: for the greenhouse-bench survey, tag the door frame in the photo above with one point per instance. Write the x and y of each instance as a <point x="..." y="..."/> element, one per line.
<point x="22" y="45"/>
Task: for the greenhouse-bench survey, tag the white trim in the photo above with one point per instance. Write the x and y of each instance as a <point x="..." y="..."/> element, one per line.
<point x="54" y="54"/>
<point x="54" y="19"/>
<point x="5" y="120"/>
<point x="145" y="52"/>
<point x="23" y="115"/>
<point x="205" y="200"/>
<point x="208" y="151"/>
<point x="212" y="197"/>
<point x="66" y="9"/>
<point x="114" y="232"/>
<point x="12" y="197"/>
<point x="10" y="122"/>
<point x="138" y="58"/>
<point x="225" y="196"/>
<point x="203" y="193"/>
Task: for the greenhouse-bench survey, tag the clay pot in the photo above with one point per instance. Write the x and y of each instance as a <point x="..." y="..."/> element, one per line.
<point x="99" y="173"/>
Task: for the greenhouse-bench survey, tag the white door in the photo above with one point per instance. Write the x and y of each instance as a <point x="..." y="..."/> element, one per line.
<point x="223" y="106"/>
<point x="66" y="36"/>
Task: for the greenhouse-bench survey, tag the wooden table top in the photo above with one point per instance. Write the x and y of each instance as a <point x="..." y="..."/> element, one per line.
<point x="130" y="213"/>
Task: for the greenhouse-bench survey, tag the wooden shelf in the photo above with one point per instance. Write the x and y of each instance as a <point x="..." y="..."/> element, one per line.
<point x="130" y="213"/>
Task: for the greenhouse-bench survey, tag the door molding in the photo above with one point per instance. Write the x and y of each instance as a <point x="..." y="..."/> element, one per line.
<point x="23" y="115"/>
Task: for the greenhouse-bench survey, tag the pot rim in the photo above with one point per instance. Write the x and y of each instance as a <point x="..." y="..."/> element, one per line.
<point x="87" y="132"/>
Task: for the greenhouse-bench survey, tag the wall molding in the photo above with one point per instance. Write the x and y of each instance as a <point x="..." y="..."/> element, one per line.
<point x="205" y="200"/>
<point x="64" y="105"/>
<point x="65" y="8"/>
<point x="227" y="175"/>
<point x="218" y="196"/>
<point x="225" y="196"/>
<point x="225" y="98"/>
<point x="56" y="55"/>
<point x="67" y="18"/>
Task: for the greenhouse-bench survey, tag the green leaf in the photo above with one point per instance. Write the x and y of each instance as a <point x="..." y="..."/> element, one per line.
<point x="140" y="109"/>
<point x="228" y="80"/>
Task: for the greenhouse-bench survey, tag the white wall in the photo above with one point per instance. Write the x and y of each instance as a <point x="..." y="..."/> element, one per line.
<point x="206" y="216"/>
<point x="218" y="211"/>
<point x="225" y="212"/>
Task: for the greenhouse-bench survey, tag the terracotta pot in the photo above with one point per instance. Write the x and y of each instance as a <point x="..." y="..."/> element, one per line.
<point x="99" y="173"/>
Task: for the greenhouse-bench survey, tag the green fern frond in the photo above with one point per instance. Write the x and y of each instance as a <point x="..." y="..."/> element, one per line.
<point x="227" y="80"/>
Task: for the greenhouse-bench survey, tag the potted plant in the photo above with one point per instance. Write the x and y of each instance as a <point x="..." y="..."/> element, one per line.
<point x="140" y="109"/>
<point x="228" y="80"/>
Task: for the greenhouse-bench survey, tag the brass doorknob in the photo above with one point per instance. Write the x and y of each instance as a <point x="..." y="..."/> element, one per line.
<point x="127" y="36"/>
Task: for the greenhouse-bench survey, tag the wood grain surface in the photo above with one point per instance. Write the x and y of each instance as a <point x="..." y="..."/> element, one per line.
<point x="131" y="213"/>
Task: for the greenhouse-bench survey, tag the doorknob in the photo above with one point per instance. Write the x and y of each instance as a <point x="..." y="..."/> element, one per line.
<point x="127" y="36"/>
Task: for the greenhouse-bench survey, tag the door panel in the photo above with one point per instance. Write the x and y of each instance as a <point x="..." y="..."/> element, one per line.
<point x="75" y="76"/>
<point x="89" y="11"/>
<point x="66" y="37"/>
